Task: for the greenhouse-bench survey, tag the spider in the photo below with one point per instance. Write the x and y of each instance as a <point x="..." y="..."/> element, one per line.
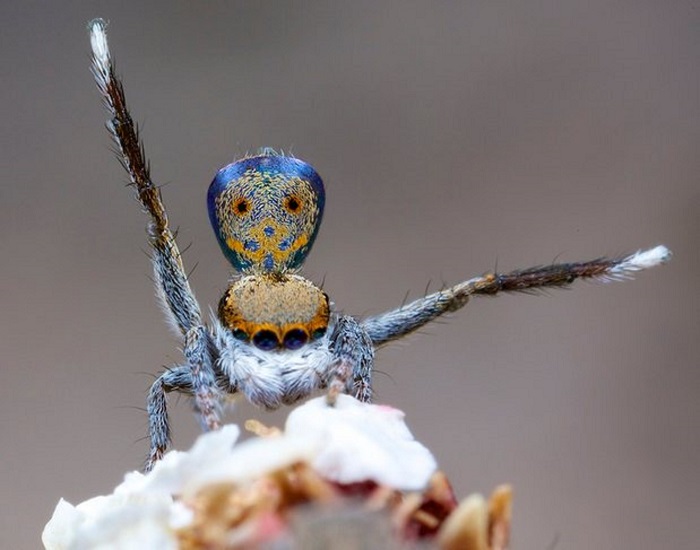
<point x="276" y="337"/>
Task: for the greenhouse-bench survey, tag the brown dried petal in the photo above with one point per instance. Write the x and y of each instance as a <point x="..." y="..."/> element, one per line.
<point x="467" y="527"/>
<point x="500" y="510"/>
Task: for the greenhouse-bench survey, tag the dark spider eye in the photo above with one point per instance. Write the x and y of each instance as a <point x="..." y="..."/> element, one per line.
<point x="266" y="340"/>
<point x="240" y="334"/>
<point x="318" y="333"/>
<point x="241" y="206"/>
<point x="295" y="338"/>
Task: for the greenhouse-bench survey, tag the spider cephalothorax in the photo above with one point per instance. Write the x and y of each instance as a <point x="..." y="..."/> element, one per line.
<point x="275" y="311"/>
<point x="276" y="338"/>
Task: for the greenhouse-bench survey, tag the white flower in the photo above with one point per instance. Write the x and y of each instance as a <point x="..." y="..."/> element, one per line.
<point x="115" y="522"/>
<point x="346" y="443"/>
<point x="358" y="442"/>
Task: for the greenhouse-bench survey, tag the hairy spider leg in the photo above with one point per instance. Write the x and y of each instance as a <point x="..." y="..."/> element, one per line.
<point x="172" y="286"/>
<point x="179" y="379"/>
<point x="354" y="360"/>
<point x="408" y="318"/>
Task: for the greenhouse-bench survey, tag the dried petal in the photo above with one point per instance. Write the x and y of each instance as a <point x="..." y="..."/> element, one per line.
<point x="467" y="527"/>
<point x="500" y="509"/>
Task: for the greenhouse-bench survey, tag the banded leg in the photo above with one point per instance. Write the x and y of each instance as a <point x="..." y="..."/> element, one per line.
<point x="170" y="275"/>
<point x="172" y="286"/>
<point x="207" y="396"/>
<point x="354" y="359"/>
<point x="400" y="322"/>
<point x="177" y="379"/>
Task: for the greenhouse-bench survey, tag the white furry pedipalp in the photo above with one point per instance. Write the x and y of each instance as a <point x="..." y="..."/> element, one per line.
<point x="272" y="378"/>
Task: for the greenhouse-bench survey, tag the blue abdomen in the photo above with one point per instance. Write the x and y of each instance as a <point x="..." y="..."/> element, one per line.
<point x="266" y="211"/>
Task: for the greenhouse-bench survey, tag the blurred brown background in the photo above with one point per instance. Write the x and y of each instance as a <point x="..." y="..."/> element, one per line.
<point x="452" y="136"/>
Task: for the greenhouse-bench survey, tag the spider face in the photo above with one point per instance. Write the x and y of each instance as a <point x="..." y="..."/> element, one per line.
<point x="266" y="211"/>
<point x="275" y="311"/>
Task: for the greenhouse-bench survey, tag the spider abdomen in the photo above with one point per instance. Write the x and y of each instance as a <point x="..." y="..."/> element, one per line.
<point x="266" y="211"/>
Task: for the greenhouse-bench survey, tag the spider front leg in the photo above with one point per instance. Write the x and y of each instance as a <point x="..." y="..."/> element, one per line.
<point x="406" y="319"/>
<point x="172" y="286"/>
<point x="353" y="354"/>
<point x="196" y="379"/>
<point x="207" y="396"/>
<point x="176" y="379"/>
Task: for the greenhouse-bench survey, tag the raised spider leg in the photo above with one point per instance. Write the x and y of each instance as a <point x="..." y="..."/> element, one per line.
<point x="353" y="354"/>
<point x="172" y="286"/>
<point x="171" y="280"/>
<point x="404" y="320"/>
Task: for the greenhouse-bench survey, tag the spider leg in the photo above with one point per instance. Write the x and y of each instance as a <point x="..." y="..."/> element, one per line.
<point x="207" y="396"/>
<point x="172" y="286"/>
<point x="198" y="378"/>
<point x="353" y="354"/>
<point x="404" y="320"/>
<point x="176" y="379"/>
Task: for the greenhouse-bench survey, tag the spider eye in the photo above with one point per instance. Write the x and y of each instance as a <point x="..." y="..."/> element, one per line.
<point x="295" y="338"/>
<point x="318" y="333"/>
<point x="265" y="340"/>
<point x="241" y="206"/>
<point x="240" y="334"/>
<point x="292" y="204"/>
